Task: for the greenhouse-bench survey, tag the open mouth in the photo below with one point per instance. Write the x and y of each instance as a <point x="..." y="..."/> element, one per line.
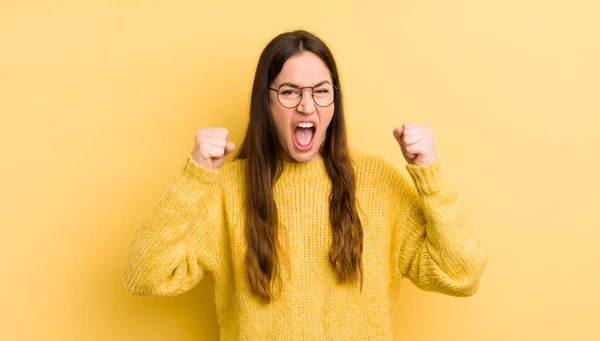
<point x="304" y="134"/>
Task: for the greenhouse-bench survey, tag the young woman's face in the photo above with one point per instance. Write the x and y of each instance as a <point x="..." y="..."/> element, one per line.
<point x="301" y="143"/>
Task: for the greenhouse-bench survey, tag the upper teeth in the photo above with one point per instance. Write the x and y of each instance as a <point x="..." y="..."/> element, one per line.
<point x="305" y="125"/>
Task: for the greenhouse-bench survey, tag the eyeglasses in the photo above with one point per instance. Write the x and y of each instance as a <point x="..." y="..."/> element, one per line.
<point x="290" y="96"/>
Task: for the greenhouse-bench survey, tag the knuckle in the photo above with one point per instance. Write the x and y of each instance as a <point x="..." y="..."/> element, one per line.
<point x="202" y="131"/>
<point x="221" y="131"/>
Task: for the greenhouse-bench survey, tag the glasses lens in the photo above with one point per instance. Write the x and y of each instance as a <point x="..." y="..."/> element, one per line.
<point x="323" y="95"/>
<point x="289" y="96"/>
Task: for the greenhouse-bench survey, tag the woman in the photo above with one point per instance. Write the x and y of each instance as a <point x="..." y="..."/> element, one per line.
<point x="306" y="239"/>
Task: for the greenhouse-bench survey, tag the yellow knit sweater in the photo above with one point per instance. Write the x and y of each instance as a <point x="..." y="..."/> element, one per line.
<point x="415" y="231"/>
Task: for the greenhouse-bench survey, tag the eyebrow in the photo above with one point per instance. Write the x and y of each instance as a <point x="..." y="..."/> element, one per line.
<point x="298" y="86"/>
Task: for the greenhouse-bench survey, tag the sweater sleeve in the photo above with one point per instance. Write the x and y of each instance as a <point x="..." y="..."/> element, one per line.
<point x="175" y="245"/>
<point x="436" y="248"/>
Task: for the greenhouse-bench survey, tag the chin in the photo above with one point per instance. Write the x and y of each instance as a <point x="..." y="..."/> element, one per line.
<point x="306" y="157"/>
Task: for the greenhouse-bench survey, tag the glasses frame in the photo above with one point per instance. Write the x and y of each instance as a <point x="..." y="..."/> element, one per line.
<point x="312" y="94"/>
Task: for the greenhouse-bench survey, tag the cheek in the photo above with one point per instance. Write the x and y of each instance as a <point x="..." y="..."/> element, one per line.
<point x="326" y="117"/>
<point x="280" y="123"/>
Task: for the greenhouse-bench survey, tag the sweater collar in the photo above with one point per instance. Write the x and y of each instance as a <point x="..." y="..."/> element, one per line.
<point x="309" y="169"/>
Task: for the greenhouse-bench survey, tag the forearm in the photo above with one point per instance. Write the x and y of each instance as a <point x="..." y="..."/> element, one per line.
<point x="448" y="257"/>
<point x="162" y="257"/>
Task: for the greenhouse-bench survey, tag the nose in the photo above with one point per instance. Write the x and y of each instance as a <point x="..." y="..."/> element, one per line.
<point x="307" y="104"/>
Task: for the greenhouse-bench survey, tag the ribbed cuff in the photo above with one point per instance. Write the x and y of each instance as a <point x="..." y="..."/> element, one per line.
<point x="198" y="173"/>
<point x="427" y="178"/>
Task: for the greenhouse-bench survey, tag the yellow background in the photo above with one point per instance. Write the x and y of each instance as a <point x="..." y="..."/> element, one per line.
<point x="99" y="102"/>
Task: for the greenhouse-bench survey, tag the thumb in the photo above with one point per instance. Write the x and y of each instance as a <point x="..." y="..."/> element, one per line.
<point x="229" y="148"/>
<point x="398" y="131"/>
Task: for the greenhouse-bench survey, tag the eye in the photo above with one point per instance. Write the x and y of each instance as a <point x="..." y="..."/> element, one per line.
<point x="321" y="91"/>
<point x="287" y="91"/>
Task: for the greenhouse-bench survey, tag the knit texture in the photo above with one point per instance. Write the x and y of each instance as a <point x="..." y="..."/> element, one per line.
<point x="417" y="231"/>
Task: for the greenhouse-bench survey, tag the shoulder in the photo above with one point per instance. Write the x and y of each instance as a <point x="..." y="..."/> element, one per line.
<point x="232" y="174"/>
<point x="234" y="168"/>
<point x="371" y="165"/>
<point x="376" y="172"/>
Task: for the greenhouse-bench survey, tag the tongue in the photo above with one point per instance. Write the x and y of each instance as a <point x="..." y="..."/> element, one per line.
<point x="303" y="136"/>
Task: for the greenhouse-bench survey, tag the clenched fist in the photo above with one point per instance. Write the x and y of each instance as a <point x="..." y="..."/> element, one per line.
<point x="416" y="142"/>
<point x="211" y="147"/>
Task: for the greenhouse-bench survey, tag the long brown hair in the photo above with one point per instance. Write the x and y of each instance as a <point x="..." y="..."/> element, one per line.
<point x="259" y="148"/>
